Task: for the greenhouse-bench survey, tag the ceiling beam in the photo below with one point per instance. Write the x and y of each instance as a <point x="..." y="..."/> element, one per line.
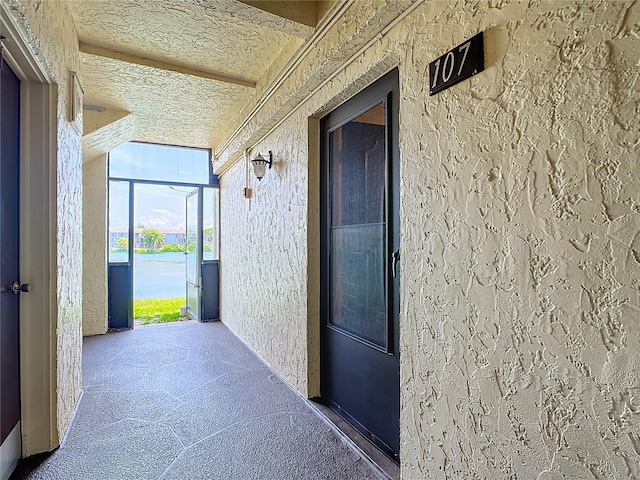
<point x="295" y="18"/>
<point x="160" y="65"/>
<point x="303" y="12"/>
<point x="108" y="130"/>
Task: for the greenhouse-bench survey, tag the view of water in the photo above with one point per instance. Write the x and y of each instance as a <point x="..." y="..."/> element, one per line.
<point x="159" y="275"/>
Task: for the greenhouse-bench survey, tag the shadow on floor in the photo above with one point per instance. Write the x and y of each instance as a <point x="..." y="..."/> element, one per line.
<point x="191" y="401"/>
<point x="28" y="465"/>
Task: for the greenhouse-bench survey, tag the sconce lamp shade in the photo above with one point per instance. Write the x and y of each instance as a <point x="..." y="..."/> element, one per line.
<point x="260" y="165"/>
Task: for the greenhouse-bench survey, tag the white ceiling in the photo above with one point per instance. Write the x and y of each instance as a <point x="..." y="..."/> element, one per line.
<point x="185" y="68"/>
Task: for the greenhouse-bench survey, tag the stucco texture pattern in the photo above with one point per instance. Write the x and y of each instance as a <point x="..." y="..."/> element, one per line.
<point x="349" y="34"/>
<point x="103" y="131"/>
<point x="210" y="27"/>
<point x="270" y="316"/>
<point x="125" y="91"/>
<point x="52" y="34"/>
<point x="520" y="342"/>
<point x="95" y="310"/>
<point x="230" y="40"/>
<point x="520" y="233"/>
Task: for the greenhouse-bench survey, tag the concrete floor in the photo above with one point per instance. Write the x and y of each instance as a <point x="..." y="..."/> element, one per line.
<point x="190" y="401"/>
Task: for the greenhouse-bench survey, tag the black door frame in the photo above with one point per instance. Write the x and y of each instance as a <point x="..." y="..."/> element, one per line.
<point x="385" y="89"/>
<point x="120" y="274"/>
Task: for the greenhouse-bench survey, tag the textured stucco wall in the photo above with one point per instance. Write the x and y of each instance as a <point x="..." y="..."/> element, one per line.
<point x="350" y="33"/>
<point x="51" y="33"/>
<point x="520" y="220"/>
<point x="94" y="246"/>
<point x="193" y="34"/>
<point x="520" y="213"/>
<point x="269" y="312"/>
<point x="104" y="130"/>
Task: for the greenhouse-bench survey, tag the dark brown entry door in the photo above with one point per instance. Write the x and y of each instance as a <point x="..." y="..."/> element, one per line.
<point x="9" y="254"/>
<point x="360" y="242"/>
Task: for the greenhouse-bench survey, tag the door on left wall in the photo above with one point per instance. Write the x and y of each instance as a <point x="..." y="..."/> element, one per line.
<point x="10" y="437"/>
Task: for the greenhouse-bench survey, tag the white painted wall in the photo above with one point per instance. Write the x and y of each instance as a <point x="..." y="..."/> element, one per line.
<point x="520" y="232"/>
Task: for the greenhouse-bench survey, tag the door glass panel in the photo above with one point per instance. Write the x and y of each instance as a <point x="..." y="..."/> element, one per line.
<point x="357" y="164"/>
<point x="118" y="221"/>
<point x="210" y="224"/>
<point x="192" y="237"/>
<point x="193" y="294"/>
<point x="194" y="247"/>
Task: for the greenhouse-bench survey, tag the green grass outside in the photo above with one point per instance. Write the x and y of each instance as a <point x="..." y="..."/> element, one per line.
<point x="163" y="310"/>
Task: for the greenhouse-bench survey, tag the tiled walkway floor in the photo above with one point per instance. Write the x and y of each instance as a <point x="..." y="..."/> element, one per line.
<point x="190" y="401"/>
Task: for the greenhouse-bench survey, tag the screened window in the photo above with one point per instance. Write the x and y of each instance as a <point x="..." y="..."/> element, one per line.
<point x="144" y="161"/>
<point x="358" y="166"/>
<point x="210" y="224"/>
<point x="118" y="221"/>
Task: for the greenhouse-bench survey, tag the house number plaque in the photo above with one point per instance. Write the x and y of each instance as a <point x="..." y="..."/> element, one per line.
<point x="456" y="65"/>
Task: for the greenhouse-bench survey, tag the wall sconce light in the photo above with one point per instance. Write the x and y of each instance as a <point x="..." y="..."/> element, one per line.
<point x="260" y="165"/>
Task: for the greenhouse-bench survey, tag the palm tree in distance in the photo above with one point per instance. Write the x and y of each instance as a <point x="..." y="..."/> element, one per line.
<point x="151" y="238"/>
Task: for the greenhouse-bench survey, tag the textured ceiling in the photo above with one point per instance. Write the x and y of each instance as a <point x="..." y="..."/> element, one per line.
<point x="184" y="68"/>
